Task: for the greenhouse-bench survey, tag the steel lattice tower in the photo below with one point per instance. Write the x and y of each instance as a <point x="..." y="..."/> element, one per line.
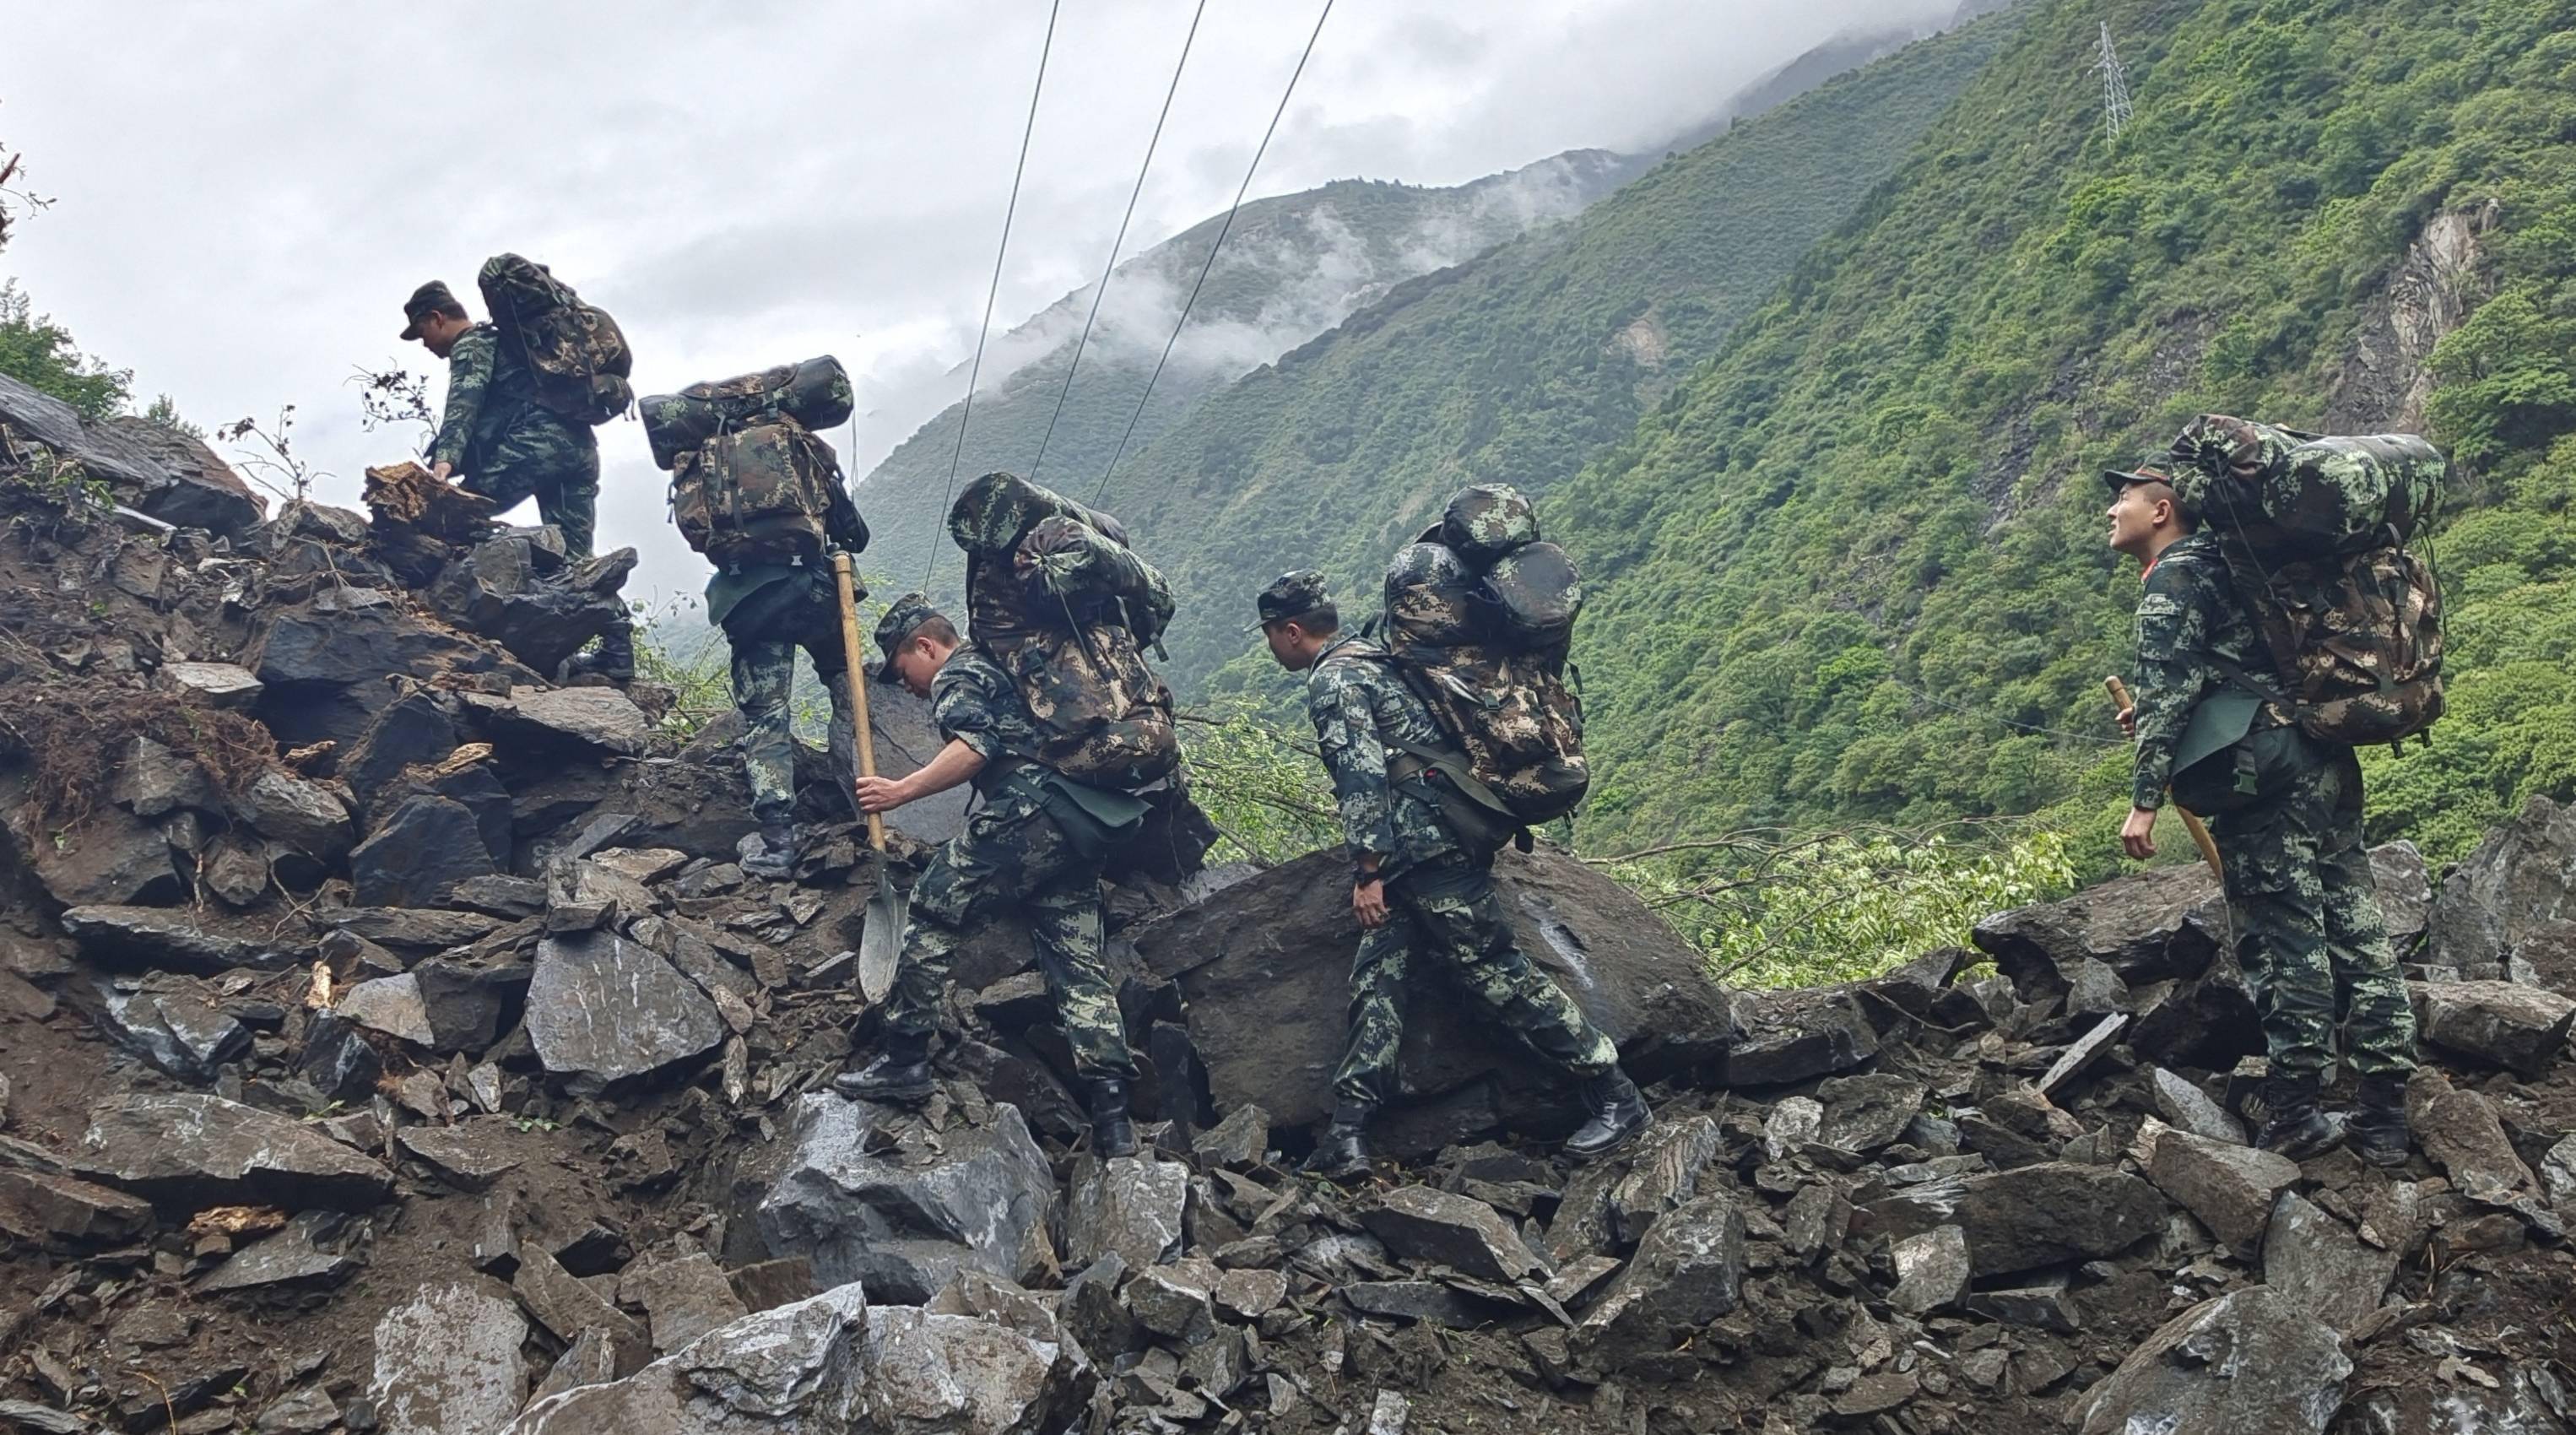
<point x="2115" y="85"/>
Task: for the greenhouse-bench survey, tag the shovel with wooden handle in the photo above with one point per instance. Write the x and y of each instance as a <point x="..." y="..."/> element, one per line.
<point x="881" y="926"/>
<point x="2191" y="823"/>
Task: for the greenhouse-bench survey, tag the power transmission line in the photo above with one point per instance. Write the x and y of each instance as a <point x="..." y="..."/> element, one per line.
<point x="1222" y="231"/>
<point x="1116" y="244"/>
<point x="2115" y="85"/>
<point x="991" y="292"/>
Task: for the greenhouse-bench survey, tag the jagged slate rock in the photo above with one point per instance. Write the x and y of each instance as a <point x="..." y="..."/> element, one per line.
<point x="1795" y="1122"/>
<point x="148" y="1407"/>
<point x="414" y="730"/>
<point x="588" y="885"/>
<point x="1432" y="1302"/>
<point x="2186" y="1107"/>
<point x="236" y="871"/>
<point x="2253" y="1360"/>
<point x="2042" y="1307"/>
<point x="413" y="929"/>
<point x="2405" y="884"/>
<point x="300" y="813"/>
<point x="152" y="781"/>
<point x="1016" y="1002"/>
<point x="1421" y="1224"/>
<point x="603" y="1007"/>
<point x="946" y="1372"/>
<point x="337" y="1060"/>
<point x="107" y="455"/>
<point x="325" y="662"/>
<point x="390" y="1005"/>
<point x="418" y="854"/>
<point x="1918" y="988"/>
<point x="52" y="1211"/>
<point x="564" y="1304"/>
<point x="646" y="865"/>
<point x="592" y="720"/>
<point x="43" y="1419"/>
<point x="2160" y="924"/>
<point x="1251" y="1294"/>
<point x="2229" y="1187"/>
<point x="2208" y="1023"/>
<point x="467" y="1003"/>
<point x="982" y="1296"/>
<point x="2093" y="989"/>
<point x="797" y="1368"/>
<point x="2501" y="1022"/>
<point x="1931" y="1270"/>
<point x="316" y="1248"/>
<point x="188" y="1151"/>
<point x="1127" y="1206"/>
<point x="2033" y="1216"/>
<point x="2459" y="1130"/>
<point x="907" y="1224"/>
<point x="218" y="685"/>
<point x="683" y="1298"/>
<point x="175" y="1032"/>
<point x="1094" y="1315"/>
<point x="198" y="489"/>
<point x="110" y="858"/>
<point x="1242" y="1139"/>
<point x="764" y="1285"/>
<point x="1264" y="967"/>
<point x="1688" y="1272"/>
<point x="469" y="1155"/>
<point x="1864" y="1113"/>
<point x="2558" y="1176"/>
<point x="509" y="898"/>
<point x="521" y="596"/>
<point x="1019" y="1078"/>
<point x="2521" y="879"/>
<point x="309" y="1411"/>
<point x="1816" y="1218"/>
<point x="1170" y="1306"/>
<point x="474" y="786"/>
<point x="2319" y="1263"/>
<point x="589" y="1360"/>
<point x="22" y="998"/>
<point x="2527" y="1400"/>
<point x="1664" y="1173"/>
<point x="1795" y="1036"/>
<point x="448" y="1362"/>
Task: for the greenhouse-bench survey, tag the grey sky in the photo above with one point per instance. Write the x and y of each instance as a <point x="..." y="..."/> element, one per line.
<point x="246" y="192"/>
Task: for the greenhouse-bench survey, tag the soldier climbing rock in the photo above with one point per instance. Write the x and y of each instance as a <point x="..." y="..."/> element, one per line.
<point x="2285" y="810"/>
<point x="1035" y="845"/>
<point x="500" y="443"/>
<point x="1422" y="893"/>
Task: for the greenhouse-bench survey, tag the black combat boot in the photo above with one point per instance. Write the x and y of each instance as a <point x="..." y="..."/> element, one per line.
<point x="1112" y="1133"/>
<point x="900" y="1073"/>
<point x="1616" y="1113"/>
<point x="613" y="659"/>
<point x="1342" y="1153"/>
<point x="2292" y="1124"/>
<point x="2378" y="1126"/>
<point x="775" y="858"/>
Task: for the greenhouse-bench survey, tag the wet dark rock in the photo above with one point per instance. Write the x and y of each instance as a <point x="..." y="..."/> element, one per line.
<point x="2503" y="1023"/>
<point x="391" y="1005"/>
<point x="1421" y="1224"/>
<point x="152" y="781"/>
<point x="586" y="721"/>
<point x="175" y="1030"/>
<point x="300" y="813"/>
<point x="469" y="1156"/>
<point x="50" y="1210"/>
<point x="1688" y="1272"/>
<point x="1794" y="1036"/>
<point x="1664" y="1172"/>
<point x="1241" y="1140"/>
<point x="339" y="1061"/>
<point x="448" y="1361"/>
<point x="2045" y="1307"/>
<point x="1128" y="1206"/>
<point x="2320" y="1264"/>
<point x="413" y="929"/>
<point x="795" y="1368"/>
<point x="2152" y="926"/>
<point x="188" y="1150"/>
<point x="2039" y="1215"/>
<point x="197" y="489"/>
<point x="2186" y="1107"/>
<point x="1094" y="1315"/>
<point x="317" y="1248"/>
<point x="325" y="660"/>
<point x="2519" y="881"/>
<point x="418" y="854"/>
<point x="110" y="858"/>
<point x="2229" y="1187"/>
<point x="110" y="456"/>
<point x="566" y="1305"/>
<point x="683" y="1298"/>
<point x="1931" y="1270"/>
<point x="2249" y="1361"/>
<point x="605" y="1008"/>
<point x="413" y="730"/>
<point x="310" y="1411"/>
<point x="1433" y="1302"/>
<point x="525" y="597"/>
<point x="1172" y="1304"/>
<point x="1864" y="1113"/>
<point x="2459" y="1130"/>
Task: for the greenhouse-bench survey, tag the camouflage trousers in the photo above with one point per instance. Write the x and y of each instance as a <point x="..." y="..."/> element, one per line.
<point x="1013" y="856"/>
<point x="555" y="463"/>
<point x="1446" y="912"/>
<point x="764" y="675"/>
<point x="2310" y="936"/>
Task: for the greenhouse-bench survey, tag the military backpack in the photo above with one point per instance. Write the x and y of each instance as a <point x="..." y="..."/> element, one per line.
<point x="1058" y="601"/>
<point x="750" y="481"/>
<point x="2316" y="532"/>
<point x="576" y="355"/>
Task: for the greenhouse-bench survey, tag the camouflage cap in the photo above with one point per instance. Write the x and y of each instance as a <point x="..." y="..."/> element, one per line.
<point x="428" y="299"/>
<point x="903" y="617"/>
<point x="1291" y="595"/>
<point x="2153" y="466"/>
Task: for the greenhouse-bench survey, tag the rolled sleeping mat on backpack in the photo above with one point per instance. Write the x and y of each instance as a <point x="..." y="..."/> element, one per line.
<point x="1487" y="521"/>
<point x="2293" y="494"/>
<point x="997" y="510"/>
<point x="816" y="394"/>
<point x="1432" y="597"/>
<point x="1532" y="595"/>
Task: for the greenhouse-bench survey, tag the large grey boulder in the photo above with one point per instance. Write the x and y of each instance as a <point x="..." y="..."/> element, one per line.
<point x="107" y="455"/>
<point x="189" y="1151"/>
<point x="932" y="1372"/>
<point x="2032" y="1216"/>
<point x="1265" y="968"/>
<point x="794" y="1368"/>
<point x="1688" y="1272"/>
<point x="2504" y="1023"/>
<point x="448" y="1362"/>
<point x="418" y="855"/>
<point x="2520" y="881"/>
<point x="2254" y="1360"/>
<point x="1442" y="1228"/>
<point x="119" y="935"/>
<point x="870" y="1195"/>
<point x="2164" y="924"/>
<point x="2323" y="1265"/>
<point x="522" y="593"/>
<point x="604" y="1008"/>
<point x="589" y="721"/>
<point x="1128" y="1206"/>
<point x="325" y="661"/>
<point x="199" y="489"/>
<point x="2229" y="1187"/>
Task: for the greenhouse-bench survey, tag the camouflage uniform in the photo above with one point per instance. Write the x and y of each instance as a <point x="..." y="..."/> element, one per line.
<point x="1024" y="849"/>
<point x="1441" y="896"/>
<point x="767" y="612"/>
<point x="2285" y="811"/>
<point x="508" y="447"/>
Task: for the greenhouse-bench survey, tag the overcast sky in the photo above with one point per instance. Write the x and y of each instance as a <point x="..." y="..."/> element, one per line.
<point x="245" y="193"/>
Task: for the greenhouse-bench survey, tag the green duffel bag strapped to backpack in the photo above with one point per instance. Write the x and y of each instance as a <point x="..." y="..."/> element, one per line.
<point x="576" y="354"/>
<point x="750" y="480"/>
<point x="2317" y="533"/>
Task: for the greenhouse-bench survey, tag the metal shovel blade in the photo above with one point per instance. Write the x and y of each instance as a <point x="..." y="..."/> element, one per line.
<point x="881" y="940"/>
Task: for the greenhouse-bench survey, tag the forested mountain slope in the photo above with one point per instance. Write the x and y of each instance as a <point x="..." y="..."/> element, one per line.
<point x="1517" y="365"/>
<point x="1853" y="570"/>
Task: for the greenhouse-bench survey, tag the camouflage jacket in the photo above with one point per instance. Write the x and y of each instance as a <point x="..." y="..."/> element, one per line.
<point x="1362" y="712"/>
<point x="2192" y="627"/>
<point x="489" y="393"/>
<point x="974" y="702"/>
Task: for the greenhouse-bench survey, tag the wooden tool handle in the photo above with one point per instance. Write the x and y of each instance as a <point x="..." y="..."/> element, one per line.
<point x="2191" y="822"/>
<point x="857" y="678"/>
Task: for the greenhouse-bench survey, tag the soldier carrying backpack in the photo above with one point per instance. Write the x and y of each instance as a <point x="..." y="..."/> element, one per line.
<point x="2283" y="621"/>
<point x="1432" y="775"/>
<point x="523" y="391"/>
<point x="761" y="496"/>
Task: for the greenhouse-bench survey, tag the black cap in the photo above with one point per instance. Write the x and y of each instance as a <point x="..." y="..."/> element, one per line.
<point x="1291" y="595"/>
<point x="430" y="298"/>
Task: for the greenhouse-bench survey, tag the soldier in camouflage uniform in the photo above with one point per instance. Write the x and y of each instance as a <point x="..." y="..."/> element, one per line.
<point x="1036" y="844"/>
<point x="1419" y="890"/>
<point x="2285" y="810"/>
<point x="508" y="448"/>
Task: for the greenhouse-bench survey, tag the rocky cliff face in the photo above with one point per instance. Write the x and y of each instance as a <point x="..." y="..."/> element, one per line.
<point x="2386" y="378"/>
